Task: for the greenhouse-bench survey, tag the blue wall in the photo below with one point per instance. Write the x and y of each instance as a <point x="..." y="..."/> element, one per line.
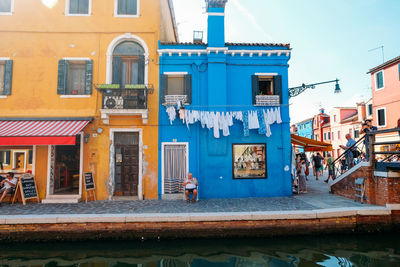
<point x="305" y="129"/>
<point x="222" y="82"/>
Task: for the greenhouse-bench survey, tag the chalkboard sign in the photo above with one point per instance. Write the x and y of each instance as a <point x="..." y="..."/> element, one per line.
<point x="26" y="189"/>
<point x="28" y="186"/>
<point x="89" y="183"/>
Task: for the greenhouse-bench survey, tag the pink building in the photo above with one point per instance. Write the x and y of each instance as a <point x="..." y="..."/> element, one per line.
<point x="385" y="80"/>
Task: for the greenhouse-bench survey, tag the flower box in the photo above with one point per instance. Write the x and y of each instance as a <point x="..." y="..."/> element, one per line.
<point x="267" y="100"/>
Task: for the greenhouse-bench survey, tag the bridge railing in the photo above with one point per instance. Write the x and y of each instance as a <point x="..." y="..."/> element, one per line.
<point x="388" y="155"/>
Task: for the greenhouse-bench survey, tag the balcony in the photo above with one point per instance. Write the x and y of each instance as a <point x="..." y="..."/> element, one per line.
<point x="128" y="100"/>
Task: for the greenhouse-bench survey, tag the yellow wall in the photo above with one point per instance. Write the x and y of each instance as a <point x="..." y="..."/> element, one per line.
<point x="37" y="37"/>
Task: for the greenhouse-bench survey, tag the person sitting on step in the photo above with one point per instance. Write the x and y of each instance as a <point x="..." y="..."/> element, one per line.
<point x="190" y="185"/>
<point x="7" y="184"/>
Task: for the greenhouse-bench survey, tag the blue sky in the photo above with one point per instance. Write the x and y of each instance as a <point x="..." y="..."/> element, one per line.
<point x="329" y="38"/>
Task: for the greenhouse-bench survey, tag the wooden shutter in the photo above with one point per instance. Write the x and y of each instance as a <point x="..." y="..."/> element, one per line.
<point x="62" y="80"/>
<point x="30" y="158"/>
<point x="254" y="88"/>
<point x="278" y="87"/>
<point x="8" y="157"/>
<point x="164" y="87"/>
<point x="89" y="77"/>
<point x="141" y="70"/>
<point x="188" y="88"/>
<point x="117" y="70"/>
<point x="8" y="70"/>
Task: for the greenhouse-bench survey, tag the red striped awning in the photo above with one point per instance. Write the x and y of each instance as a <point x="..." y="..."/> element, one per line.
<point x="40" y="132"/>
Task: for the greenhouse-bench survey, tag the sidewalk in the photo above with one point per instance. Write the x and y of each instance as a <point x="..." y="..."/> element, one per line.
<point x="318" y="197"/>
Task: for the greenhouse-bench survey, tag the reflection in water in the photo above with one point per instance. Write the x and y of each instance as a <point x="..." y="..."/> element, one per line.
<point x="349" y="250"/>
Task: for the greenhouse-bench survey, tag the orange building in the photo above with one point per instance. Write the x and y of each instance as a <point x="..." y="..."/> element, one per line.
<point x="385" y="80"/>
<point x="78" y="93"/>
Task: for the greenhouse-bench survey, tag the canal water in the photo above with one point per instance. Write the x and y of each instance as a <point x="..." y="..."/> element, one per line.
<point x="339" y="250"/>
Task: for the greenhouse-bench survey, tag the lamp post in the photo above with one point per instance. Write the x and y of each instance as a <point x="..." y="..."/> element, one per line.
<point x="295" y="91"/>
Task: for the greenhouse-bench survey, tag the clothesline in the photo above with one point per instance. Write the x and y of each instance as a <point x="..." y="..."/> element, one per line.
<point x="233" y="106"/>
<point x="260" y="119"/>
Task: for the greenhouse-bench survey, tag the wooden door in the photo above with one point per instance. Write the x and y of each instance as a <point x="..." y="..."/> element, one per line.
<point x="126" y="164"/>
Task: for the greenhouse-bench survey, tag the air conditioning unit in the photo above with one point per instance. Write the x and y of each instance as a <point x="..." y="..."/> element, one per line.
<point x="113" y="102"/>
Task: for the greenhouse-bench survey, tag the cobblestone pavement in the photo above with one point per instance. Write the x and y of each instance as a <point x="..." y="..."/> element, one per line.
<point x="317" y="197"/>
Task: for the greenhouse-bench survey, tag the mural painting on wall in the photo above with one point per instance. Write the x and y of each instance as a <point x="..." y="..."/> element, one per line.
<point x="249" y="161"/>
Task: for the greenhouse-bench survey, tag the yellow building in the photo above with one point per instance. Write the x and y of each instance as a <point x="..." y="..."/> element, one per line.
<point x="79" y="93"/>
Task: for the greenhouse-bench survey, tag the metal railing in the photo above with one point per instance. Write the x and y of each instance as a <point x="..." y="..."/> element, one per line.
<point x="358" y="154"/>
<point x="130" y="96"/>
<point x="366" y="147"/>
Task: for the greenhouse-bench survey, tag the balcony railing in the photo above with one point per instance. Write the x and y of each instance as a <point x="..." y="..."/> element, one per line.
<point x="127" y="100"/>
<point x="130" y="96"/>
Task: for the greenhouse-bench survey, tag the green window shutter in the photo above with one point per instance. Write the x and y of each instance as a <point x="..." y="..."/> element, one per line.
<point x="188" y="88"/>
<point x="8" y="70"/>
<point x="399" y="70"/>
<point x="141" y="70"/>
<point x="30" y="156"/>
<point x="254" y="88"/>
<point x="278" y="87"/>
<point x="1" y="156"/>
<point x="8" y="156"/>
<point x="62" y="77"/>
<point x="164" y="88"/>
<point x="89" y="77"/>
<point x="117" y="70"/>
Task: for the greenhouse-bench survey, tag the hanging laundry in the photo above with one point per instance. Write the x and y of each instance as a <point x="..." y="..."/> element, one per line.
<point x="245" y="123"/>
<point x="261" y="121"/>
<point x="253" y="120"/>
<point x="278" y="115"/>
<point x="215" y="118"/>
<point x="230" y="118"/>
<point x="182" y="115"/>
<point x="171" y="114"/>
<point x="267" y="120"/>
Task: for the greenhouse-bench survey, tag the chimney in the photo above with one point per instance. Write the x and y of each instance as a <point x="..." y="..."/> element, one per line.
<point x="361" y="111"/>
<point x="216" y="23"/>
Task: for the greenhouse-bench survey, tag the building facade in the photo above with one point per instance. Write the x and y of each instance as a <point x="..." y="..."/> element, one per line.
<point x="385" y="80"/>
<point x="305" y="128"/>
<point x="319" y="121"/>
<point x="80" y="94"/>
<point x="209" y="93"/>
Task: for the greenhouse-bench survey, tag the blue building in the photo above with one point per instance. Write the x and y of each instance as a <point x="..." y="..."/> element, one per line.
<point x="305" y="128"/>
<point x="207" y="93"/>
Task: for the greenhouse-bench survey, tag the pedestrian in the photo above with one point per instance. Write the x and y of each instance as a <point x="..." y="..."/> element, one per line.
<point x="313" y="163"/>
<point x="317" y="165"/>
<point x="349" y="151"/>
<point x="367" y="128"/>
<point x="330" y="167"/>
<point x="302" y="176"/>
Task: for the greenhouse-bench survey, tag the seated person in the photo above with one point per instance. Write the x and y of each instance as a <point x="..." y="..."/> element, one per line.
<point x="190" y="187"/>
<point x="7" y="184"/>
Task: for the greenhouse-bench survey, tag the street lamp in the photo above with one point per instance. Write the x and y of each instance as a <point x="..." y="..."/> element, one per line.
<point x="295" y="91"/>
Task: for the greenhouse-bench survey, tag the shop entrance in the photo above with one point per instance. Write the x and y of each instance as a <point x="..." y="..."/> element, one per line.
<point x="126" y="163"/>
<point x="67" y="163"/>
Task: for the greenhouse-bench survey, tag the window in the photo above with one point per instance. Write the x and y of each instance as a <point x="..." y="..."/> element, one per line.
<point x="399" y="70"/>
<point x="176" y="87"/>
<point x="78" y="7"/>
<point x="329" y="135"/>
<point x="324" y="136"/>
<point x="5" y="157"/>
<point x="379" y="83"/>
<point x="6" y="7"/>
<point x="126" y="8"/>
<point x="338" y="135"/>
<point x="356" y="134"/>
<point x="75" y="77"/>
<point x="370" y="110"/>
<point x="381" y="115"/>
<point x="6" y="67"/>
<point x="332" y="136"/>
<point x="128" y="64"/>
<point x="266" y="90"/>
<point x="316" y="137"/>
<point x="334" y="118"/>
